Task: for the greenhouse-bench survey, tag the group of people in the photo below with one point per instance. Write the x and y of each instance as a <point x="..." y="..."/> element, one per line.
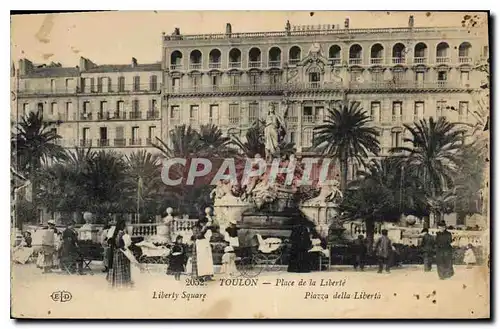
<point x="64" y="253"/>
<point x="438" y="248"/>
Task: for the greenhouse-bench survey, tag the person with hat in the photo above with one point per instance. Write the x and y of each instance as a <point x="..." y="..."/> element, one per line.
<point x="229" y="261"/>
<point x="444" y="252"/>
<point x="176" y="259"/>
<point x="231" y="234"/>
<point x="70" y="252"/>
<point x="427" y="248"/>
<point x="383" y="250"/>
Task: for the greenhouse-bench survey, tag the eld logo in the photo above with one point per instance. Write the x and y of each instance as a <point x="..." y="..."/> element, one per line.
<point x="61" y="296"/>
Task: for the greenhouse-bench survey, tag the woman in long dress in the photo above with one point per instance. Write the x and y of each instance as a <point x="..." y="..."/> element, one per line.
<point x="444" y="253"/>
<point x="299" y="261"/>
<point x="119" y="273"/>
<point x="272" y="131"/>
<point x="70" y="255"/>
<point x="202" y="261"/>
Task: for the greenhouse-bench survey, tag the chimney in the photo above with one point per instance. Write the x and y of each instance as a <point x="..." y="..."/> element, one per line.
<point x="25" y="66"/>
<point x="134" y="62"/>
<point x="346" y="23"/>
<point x="85" y="64"/>
<point x="228" y="29"/>
<point x="411" y="21"/>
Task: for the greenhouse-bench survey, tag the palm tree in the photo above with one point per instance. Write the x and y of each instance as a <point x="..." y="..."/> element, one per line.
<point x="34" y="144"/>
<point x="185" y="141"/>
<point x="433" y="155"/>
<point x="346" y="135"/>
<point x="143" y="181"/>
<point x="215" y="144"/>
<point x="373" y="196"/>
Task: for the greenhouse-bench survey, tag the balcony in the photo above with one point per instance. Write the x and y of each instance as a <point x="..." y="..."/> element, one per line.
<point x="254" y="64"/>
<point x="86" y="116"/>
<point x="153" y="114"/>
<point x="234" y="121"/>
<point x="103" y="142"/>
<point x="195" y="66"/>
<point x="420" y="60"/>
<point x="234" y="65"/>
<point x="117" y="115"/>
<point x="355" y="61"/>
<point x="135" y="115"/>
<point x="122" y="88"/>
<point x="398" y="60"/>
<point x="214" y="65"/>
<point x="294" y="61"/>
<point x="134" y="142"/>
<point x="42" y="91"/>
<point x="375" y="61"/>
<point x="335" y="61"/>
<point x="274" y="63"/>
<point x="103" y="115"/>
<point x="120" y="142"/>
<point x="310" y="118"/>
<point x="442" y="60"/>
<point x="464" y="60"/>
<point x="396" y="118"/>
<point x="292" y="119"/>
<point x="175" y="67"/>
<point x="407" y="84"/>
<point x="85" y="142"/>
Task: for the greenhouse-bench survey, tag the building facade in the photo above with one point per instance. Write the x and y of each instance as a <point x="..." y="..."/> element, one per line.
<point x="399" y="75"/>
<point x="98" y="106"/>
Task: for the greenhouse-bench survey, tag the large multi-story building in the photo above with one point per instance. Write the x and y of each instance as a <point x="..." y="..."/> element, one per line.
<point x="100" y="106"/>
<point x="399" y="75"/>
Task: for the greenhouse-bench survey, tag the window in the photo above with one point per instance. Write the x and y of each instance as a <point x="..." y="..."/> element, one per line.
<point x="69" y="110"/>
<point x="119" y="140"/>
<point x="419" y="111"/>
<point x="213" y="114"/>
<point x="463" y="110"/>
<point x="121" y="84"/>
<point x="307" y="114"/>
<point x="67" y="84"/>
<point x="39" y="108"/>
<point x="356" y="76"/>
<point x="397" y="111"/>
<point x="195" y="81"/>
<point x="154" y="105"/>
<point x="135" y="135"/>
<point x="137" y="83"/>
<point x="120" y="106"/>
<point x="396" y="138"/>
<point x="86" y="107"/>
<point x="464" y="77"/>
<point x="151" y="133"/>
<point x="254" y="79"/>
<point x="234" y="80"/>
<point x="193" y="113"/>
<point x="99" y="84"/>
<point x="440" y="108"/>
<point x="85" y="133"/>
<point x="175" y="112"/>
<point x="377" y="76"/>
<point x="52" y="85"/>
<point x="274" y="78"/>
<point x="53" y="108"/>
<point x="103" y="134"/>
<point x="102" y="108"/>
<point x="398" y="76"/>
<point x="375" y="111"/>
<point x="176" y="84"/>
<point x="234" y="113"/>
<point x="215" y="81"/>
<point x="292" y="137"/>
<point x="135" y="105"/>
<point x="153" y="83"/>
<point x="442" y="76"/>
<point x="319" y="112"/>
<point x="253" y="112"/>
<point x="26" y="109"/>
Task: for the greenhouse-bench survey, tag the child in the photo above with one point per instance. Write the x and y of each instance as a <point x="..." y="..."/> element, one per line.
<point x="176" y="261"/>
<point x="228" y="261"/>
<point x="469" y="257"/>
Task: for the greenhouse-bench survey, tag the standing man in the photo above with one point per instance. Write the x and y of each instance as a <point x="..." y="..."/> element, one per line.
<point x="427" y="246"/>
<point x="383" y="249"/>
<point x="360" y="253"/>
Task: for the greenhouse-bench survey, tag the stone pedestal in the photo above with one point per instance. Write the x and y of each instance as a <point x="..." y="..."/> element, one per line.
<point x="89" y="232"/>
<point x="224" y="211"/>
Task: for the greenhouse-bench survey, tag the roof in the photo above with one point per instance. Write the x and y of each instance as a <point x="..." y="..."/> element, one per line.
<point x="125" y="68"/>
<point x="52" y="71"/>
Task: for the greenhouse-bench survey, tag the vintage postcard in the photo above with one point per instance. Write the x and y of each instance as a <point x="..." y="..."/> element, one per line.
<point x="263" y="165"/>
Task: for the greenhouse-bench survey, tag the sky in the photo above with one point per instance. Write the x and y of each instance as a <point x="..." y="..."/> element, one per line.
<point x="116" y="37"/>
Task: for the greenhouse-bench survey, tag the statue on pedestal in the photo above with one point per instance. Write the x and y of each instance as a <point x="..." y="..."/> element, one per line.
<point x="274" y="133"/>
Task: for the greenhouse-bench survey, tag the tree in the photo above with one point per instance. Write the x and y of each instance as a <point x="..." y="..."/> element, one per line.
<point x="34" y="144"/>
<point x="346" y="136"/>
<point x="433" y="155"/>
<point x="143" y="182"/>
<point x="371" y="197"/>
